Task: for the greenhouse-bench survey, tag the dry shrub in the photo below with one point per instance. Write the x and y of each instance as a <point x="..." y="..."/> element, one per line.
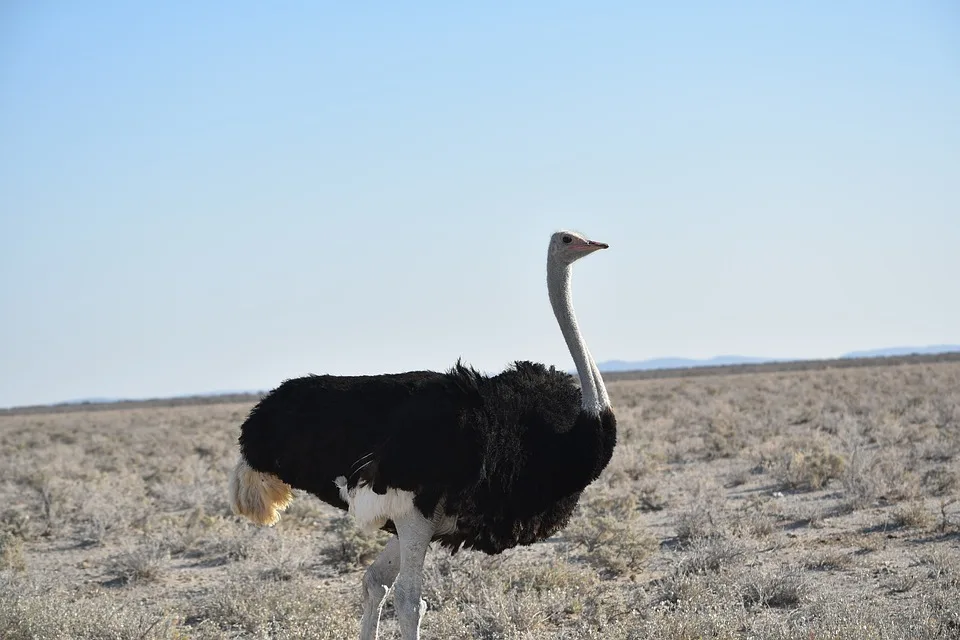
<point x="456" y="580"/>
<point x="240" y="546"/>
<point x="11" y="552"/>
<point x="698" y="522"/>
<point x="101" y="514"/>
<point x="828" y="561"/>
<point x="50" y="499"/>
<point x="188" y="531"/>
<point x="516" y="613"/>
<point x="728" y="431"/>
<point x="31" y="611"/>
<point x="608" y="543"/>
<point x="872" y="477"/>
<point x="607" y="533"/>
<point x="622" y="503"/>
<point x="943" y="568"/>
<point x="280" y="610"/>
<point x="753" y="520"/>
<point x="476" y="596"/>
<point x="941" y="481"/>
<point x="901" y="583"/>
<point x="810" y="469"/>
<point x="828" y="618"/>
<point x="709" y="555"/>
<point x="277" y="555"/>
<point x="678" y="587"/>
<point x="784" y="590"/>
<point x="147" y="562"/>
<point x="352" y="547"/>
<point x="701" y="574"/>
<point x="306" y="511"/>
<point x="811" y="514"/>
<point x="913" y="515"/>
<point x="945" y="504"/>
<point x="759" y="525"/>
<point x="15" y="522"/>
<point x="630" y="464"/>
<point x="549" y="577"/>
<point x="685" y="621"/>
<point x="649" y="497"/>
<point x="285" y="560"/>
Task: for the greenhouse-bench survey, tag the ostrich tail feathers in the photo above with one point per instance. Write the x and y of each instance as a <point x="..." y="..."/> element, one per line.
<point x="258" y="496"/>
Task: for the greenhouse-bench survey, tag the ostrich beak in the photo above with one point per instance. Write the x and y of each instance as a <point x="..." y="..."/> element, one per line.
<point x="592" y="245"/>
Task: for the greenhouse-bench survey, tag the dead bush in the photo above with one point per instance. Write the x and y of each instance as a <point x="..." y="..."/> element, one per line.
<point x="809" y="470"/>
<point x="11" y="552"/>
<point x="352" y="547"/>
<point x="147" y="562"/>
<point x="610" y="544"/>
<point x="784" y="590"/>
<point x="913" y="515"/>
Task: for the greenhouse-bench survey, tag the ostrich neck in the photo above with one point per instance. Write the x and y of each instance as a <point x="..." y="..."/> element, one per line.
<point x="593" y="393"/>
<point x="598" y="380"/>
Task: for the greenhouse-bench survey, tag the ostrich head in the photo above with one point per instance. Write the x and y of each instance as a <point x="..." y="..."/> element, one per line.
<point x="567" y="247"/>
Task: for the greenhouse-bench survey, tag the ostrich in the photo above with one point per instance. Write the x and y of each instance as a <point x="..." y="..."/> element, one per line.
<point x="470" y="461"/>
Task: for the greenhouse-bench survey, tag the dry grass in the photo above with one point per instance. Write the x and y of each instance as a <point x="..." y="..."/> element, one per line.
<point x="147" y="562"/>
<point x="776" y="504"/>
<point x="11" y="552"/>
<point x="912" y="516"/>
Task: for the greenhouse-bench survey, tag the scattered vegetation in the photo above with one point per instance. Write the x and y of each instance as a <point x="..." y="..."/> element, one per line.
<point x="145" y="562"/>
<point x="352" y="547"/>
<point x="610" y="544"/>
<point x="810" y="469"/>
<point x="773" y="504"/>
<point x="913" y="515"/>
<point x="830" y="560"/>
<point x="783" y="590"/>
<point x="11" y="552"/>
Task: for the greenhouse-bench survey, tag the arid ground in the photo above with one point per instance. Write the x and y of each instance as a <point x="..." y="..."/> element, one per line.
<point x="768" y="504"/>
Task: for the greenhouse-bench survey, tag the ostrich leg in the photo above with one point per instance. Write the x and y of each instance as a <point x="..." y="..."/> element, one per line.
<point x="377" y="580"/>
<point x="414" y="532"/>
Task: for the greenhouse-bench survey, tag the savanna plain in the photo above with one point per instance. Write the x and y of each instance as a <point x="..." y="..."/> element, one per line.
<point x="777" y="503"/>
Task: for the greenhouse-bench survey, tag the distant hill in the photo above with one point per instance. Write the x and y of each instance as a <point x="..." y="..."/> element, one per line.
<point x="678" y="363"/>
<point x="612" y="366"/>
<point x="903" y="351"/>
<point x="92" y="401"/>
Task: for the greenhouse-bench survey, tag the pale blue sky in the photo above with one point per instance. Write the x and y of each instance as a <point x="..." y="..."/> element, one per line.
<point x="201" y="196"/>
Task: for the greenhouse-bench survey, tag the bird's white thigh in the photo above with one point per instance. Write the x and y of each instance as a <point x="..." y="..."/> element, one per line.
<point x="377" y="580"/>
<point x="414" y="532"/>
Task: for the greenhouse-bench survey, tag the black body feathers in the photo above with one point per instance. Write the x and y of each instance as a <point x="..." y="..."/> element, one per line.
<point x="508" y="455"/>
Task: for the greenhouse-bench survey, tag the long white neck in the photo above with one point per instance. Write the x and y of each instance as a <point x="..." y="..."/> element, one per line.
<point x="598" y="379"/>
<point x="593" y="393"/>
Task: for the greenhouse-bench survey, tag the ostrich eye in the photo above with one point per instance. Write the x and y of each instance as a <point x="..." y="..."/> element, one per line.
<point x="567" y="239"/>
